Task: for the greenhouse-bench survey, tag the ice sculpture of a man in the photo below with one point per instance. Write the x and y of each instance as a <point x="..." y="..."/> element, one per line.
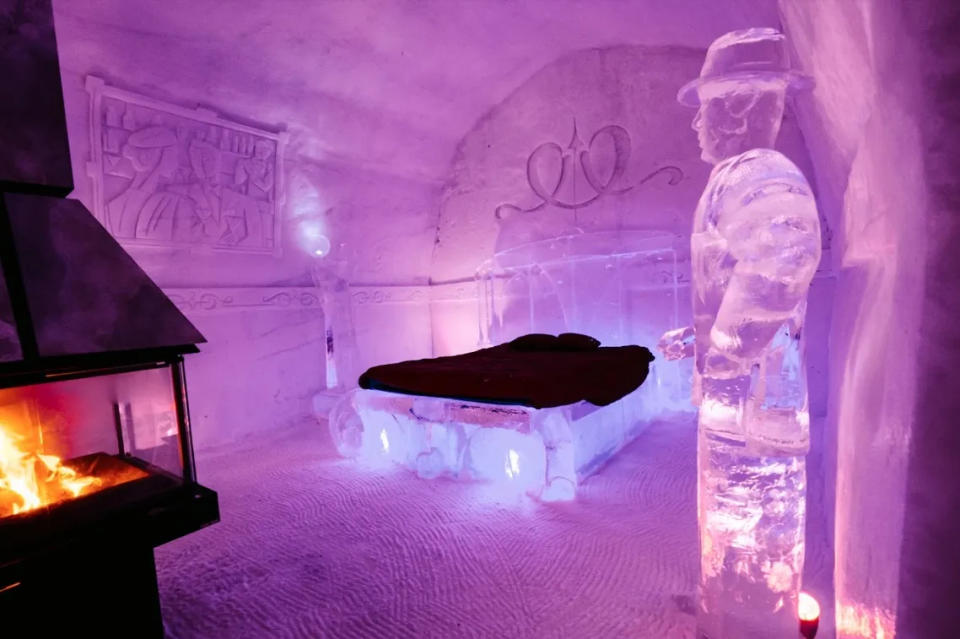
<point x="755" y="246"/>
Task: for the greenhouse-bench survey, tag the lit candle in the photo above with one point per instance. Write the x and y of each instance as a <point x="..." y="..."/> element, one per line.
<point x="809" y="612"/>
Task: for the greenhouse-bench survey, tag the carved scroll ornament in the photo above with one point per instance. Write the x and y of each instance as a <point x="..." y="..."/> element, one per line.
<point x="577" y="155"/>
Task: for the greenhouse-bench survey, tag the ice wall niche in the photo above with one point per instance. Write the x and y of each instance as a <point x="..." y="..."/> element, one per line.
<point x="597" y="101"/>
<point x="594" y="142"/>
<point x="619" y="287"/>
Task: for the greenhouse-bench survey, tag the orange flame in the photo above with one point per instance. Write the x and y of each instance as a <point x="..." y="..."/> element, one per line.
<point x="35" y="479"/>
<point x="859" y="620"/>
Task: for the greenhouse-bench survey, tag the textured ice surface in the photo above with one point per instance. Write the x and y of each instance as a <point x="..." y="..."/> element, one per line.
<point x="314" y="546"/>
<point x="751" y="514"/>
<point x="519" y="450"/>
<point x="340" y="340"/>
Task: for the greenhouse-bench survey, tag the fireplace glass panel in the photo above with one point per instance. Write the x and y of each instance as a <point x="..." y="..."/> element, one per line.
<point x="9" y="340"/>
<point x="69" y="439"/>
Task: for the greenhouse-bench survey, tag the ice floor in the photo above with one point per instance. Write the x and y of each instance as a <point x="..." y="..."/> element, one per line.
<point x="310" y="546"/>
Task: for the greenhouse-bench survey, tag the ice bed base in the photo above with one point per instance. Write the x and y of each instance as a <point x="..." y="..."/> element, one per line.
<point x="544" y="453"/>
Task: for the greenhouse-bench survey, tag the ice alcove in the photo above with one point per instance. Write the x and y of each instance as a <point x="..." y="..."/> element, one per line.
<point x="544" y="318"/>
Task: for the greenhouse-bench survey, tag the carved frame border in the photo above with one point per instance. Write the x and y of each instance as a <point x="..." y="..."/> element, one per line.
<point x="232" y="299"/>
<point x="98" y="89"/>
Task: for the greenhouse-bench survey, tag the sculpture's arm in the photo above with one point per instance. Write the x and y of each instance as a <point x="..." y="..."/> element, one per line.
<point x="774" y="235"/>
<point x="677" y="343"/>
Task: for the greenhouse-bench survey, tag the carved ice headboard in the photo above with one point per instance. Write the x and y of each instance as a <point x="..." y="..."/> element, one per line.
<point x="577" y="155"/>
<point x="577" y="176"/>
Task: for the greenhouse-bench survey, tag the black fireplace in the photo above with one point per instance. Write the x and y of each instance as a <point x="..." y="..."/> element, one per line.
<point x="96" y="457"/>
<point x="96" y="469"/>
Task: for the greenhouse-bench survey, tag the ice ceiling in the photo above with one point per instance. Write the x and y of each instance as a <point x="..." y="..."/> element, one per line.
<point x="389" y="83"/>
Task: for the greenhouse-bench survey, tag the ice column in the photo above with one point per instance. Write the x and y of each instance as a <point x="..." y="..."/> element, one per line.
<point x="339" y="334"/>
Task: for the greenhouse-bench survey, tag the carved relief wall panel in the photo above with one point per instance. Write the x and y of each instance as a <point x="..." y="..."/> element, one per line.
<point x="164" y="175"/>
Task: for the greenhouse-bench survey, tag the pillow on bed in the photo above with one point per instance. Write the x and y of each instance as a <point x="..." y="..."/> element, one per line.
<point x="576" y="342"/>
<point x="535" y="342"/>
<point x="571" y="342"/>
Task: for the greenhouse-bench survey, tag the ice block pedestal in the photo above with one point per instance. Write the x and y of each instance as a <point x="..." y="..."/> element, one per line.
<point x="751" y="514"/>
<point x="544" y="453"/>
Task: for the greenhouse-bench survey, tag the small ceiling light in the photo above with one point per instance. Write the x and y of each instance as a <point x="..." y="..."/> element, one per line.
<point x="809" y="612"/>
<point x="319" y="245"/>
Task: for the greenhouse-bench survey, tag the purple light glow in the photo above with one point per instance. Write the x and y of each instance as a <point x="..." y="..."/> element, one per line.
<point x="400" y="128"/>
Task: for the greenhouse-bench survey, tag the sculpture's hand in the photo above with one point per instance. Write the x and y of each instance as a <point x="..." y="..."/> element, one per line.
<point x="677" y="343"/>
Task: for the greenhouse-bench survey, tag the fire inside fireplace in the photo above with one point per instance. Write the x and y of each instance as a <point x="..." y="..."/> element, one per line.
<point x="31" y="480"/>
<point x="96" y="469"/>
<point x="57" y="443"/>
<point x="74" y="439"/>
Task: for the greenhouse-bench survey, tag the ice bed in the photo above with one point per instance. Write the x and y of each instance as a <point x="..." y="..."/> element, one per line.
<point x="533" y="416"/>
<point x="622" y="287"/>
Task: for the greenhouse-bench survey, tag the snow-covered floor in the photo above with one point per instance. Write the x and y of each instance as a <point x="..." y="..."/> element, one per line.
<point x="310" y="546"/>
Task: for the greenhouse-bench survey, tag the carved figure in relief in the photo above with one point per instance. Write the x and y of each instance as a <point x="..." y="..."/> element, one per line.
<point x="152" y="152"/>
<point x="169" y="178"/>
<point x="255" y="174"/>
<point x="247" y="205"/>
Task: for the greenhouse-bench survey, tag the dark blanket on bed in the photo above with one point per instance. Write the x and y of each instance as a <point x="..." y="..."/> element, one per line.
<point x="534" y="370"/>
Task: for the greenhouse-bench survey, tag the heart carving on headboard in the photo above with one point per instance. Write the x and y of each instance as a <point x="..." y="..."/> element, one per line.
<point x="579" y="154"/>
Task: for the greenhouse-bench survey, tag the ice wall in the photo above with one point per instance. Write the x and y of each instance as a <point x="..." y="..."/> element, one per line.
<point x="930" y="559"/>
<point x="263" y="322"/>
<point x="878" y="129"/>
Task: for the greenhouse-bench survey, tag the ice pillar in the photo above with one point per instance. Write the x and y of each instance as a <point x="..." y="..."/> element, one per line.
<point x="340" y="339"/>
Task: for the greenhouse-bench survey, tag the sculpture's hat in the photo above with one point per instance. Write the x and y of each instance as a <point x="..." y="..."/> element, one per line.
<point x="759" y="53"/>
